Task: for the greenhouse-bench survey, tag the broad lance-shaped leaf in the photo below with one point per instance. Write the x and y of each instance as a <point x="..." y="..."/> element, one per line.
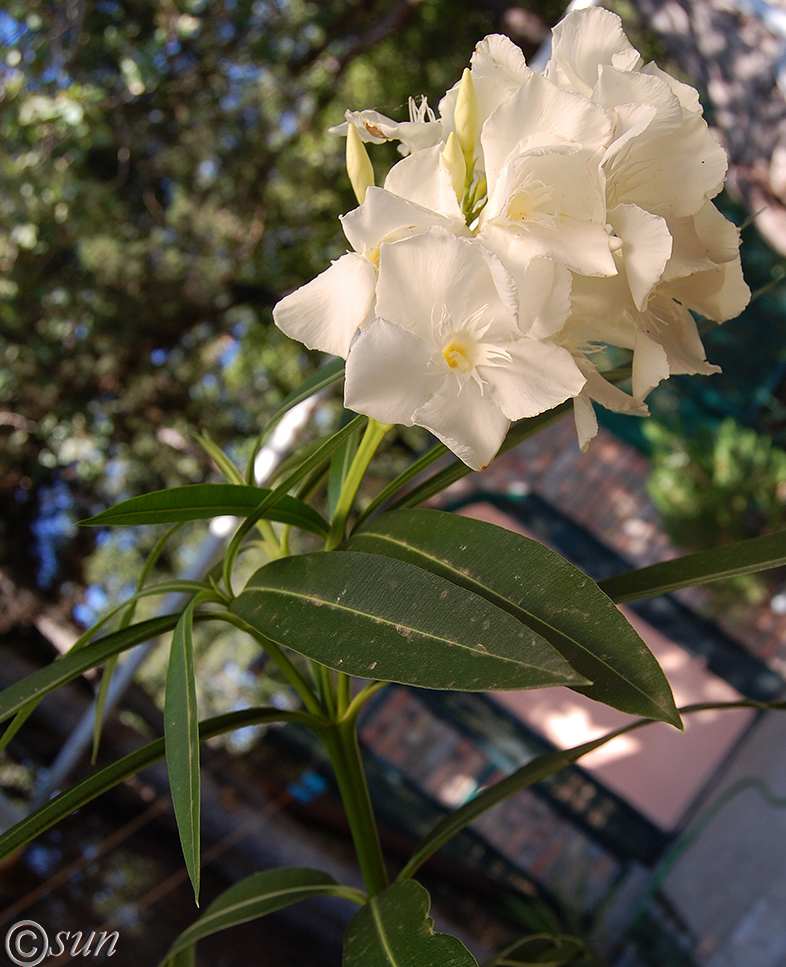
<point x="394" y="930"/>
<point x="203" y="501"/>
<point x="540" y="589"/>
<point x="181" y="737"/>
<point x="256" y="896"/>
<point x="380" y="618"/>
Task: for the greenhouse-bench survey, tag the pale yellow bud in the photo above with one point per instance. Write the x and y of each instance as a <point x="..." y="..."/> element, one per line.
<point x="359" y="167"/>
<point x="466" y="118"/>
<point x="454" y="159"/>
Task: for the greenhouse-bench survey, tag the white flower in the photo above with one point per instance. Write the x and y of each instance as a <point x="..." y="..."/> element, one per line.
<point x="447" y="350"/>
<point x="421" y="131"/>
<point x="542" y="151"/>
<point x="326" y="313"/>
<point x="663" y="156"/>
<point x="701" y="272"/>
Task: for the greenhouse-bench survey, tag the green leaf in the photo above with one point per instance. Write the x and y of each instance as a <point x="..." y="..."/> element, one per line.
<point x="258" y="895"/>
<point x="203" y="501"/>
<point x="328" y="374"/>
<point x="541" y="767"/>
<point x="540" y="589"/>
<point x="219" y="458"/>
<point x="394" y="930"/>
<point x="340" y="463"/>
<point x="541" y="950"/>
<point x="375" y="617"/>
<point x="181" y="736"/>
<point x="112" y="775"/>
<point x="742" y="557"/>
<point x="74" y="663"/>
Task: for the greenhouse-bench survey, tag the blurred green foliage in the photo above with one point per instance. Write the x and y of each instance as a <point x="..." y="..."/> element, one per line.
<point x="723" y="482"/>
<point x="166" y="176"/>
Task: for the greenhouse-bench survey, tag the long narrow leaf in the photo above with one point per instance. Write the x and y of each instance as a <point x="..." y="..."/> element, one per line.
<point x="542" y="950"/>
<point x="107" y="778"/>
<point x="704" y="567"/>
<point x="181" y="736"/>
<point x="534" y="771"/>
<point x="74" y="663"/>
<point x="204" y="501"/>
<point x="256" y="896"/>
<point x="327" y="375"/>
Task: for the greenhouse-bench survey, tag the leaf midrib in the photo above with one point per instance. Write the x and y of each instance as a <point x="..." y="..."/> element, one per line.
<point x="377" y="619"/>
<point x="499" y="601"/>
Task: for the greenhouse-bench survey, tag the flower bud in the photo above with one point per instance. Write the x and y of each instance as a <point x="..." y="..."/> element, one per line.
<point x="359" y="168"/>
<point x="454" y="159"/>
<point x="466" y="118"/>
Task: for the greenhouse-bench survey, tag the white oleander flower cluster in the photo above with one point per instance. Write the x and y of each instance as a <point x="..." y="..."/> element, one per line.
<point x="538" y="219"/>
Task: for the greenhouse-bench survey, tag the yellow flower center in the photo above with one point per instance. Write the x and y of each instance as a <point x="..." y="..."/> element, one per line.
<point x="457" y="354"/>
<point x="532" y="202"/>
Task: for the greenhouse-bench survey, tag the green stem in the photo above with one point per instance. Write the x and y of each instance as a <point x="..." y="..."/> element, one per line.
<point x="341" y="744"/>
<point x="343" y="693"/>
<point x="279" y="656"/>
<point x="368" y="447"/>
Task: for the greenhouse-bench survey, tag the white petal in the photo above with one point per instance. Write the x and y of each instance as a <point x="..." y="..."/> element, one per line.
<point x="702" y="242"/>
<point x="423" y="178"/>
<point x="605" y="393"/>
<point x="387" y="374"/>
<point x="539" y="376"/>
<point x="384" y="216"/>
<point x="564" y="179"/>
<point x="376" y="128"/>
<point x="671" y="328"/>
<point x="541" y="114"/>
<point x="498" y="70"/>
<point x="609" y="395"/>
<point x="719" y="294"/>
<point x="419" y="276"/>
<point x="325" y="313"/>
<point x="687" y="96"/>
<point x="468" y="423"/>
<point x="581" y="246"/>
<point x="616" y="88"/>
<point x="586" y="421"/>
<point x="584" y="41"/>
<point x="673" y="174"/>
<point x="646" y="247"/>
<point x="544" y="292"/>
<point x="650" y="365"/>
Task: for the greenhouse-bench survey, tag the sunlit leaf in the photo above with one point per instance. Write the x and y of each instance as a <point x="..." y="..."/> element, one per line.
<point x="204" y="501"/>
